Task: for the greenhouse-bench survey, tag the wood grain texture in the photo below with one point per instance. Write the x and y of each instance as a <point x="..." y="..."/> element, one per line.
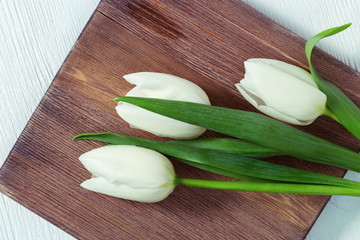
<point x="204" y="43"/>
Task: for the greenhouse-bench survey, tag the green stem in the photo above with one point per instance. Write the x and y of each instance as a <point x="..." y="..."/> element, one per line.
<point x="330" y="114"/>
<point x="268" y="187"/>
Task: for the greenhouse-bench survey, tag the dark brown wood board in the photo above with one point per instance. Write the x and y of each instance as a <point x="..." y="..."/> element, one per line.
<point x="203" y="41"/>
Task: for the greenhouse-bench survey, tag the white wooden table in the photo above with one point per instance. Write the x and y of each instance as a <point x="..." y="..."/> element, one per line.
<point x="36" y="36"/>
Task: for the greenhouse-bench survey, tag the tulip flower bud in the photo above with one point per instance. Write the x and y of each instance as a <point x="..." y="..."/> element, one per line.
<point x="129" y="172"/>
<point x="282" y="91"/>
<point x="162" y="86"/>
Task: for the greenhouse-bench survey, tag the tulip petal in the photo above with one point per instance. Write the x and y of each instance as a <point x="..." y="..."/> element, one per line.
<point x="156" y="124"/>
<point x="259" y="104"/>
<point x="131" y="165"/>
<point x="101" y="185"/>
<point x="167" y="86"/>
<point x="288" y="68"/>
<point x="282" y="117"/>
<point x="162" y="86"/>
<point x="280" y="94"/>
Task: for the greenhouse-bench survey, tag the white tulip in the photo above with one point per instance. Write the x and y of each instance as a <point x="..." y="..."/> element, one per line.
<point x="282" y="91"/>
<point x="161" y="86"/>
<point x="129" y="172"/>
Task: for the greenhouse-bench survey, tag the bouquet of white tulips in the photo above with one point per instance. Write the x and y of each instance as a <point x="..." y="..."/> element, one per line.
<point x="168" y="106"/>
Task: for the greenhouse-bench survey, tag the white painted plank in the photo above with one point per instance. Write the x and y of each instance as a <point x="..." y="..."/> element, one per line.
<point x="36" y="36"/>
<point x="340" y="220"/>
<point x="308" y="17"/>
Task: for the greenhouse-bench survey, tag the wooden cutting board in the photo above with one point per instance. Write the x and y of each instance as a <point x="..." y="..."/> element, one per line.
<point x="203" y="41"/>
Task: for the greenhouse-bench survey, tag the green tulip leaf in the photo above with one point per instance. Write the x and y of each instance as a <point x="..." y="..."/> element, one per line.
<point x="346" y="112"/>
<point x="222" y="162"/>
<point x="255" y="128"/>
<point x="232" y="145"/>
